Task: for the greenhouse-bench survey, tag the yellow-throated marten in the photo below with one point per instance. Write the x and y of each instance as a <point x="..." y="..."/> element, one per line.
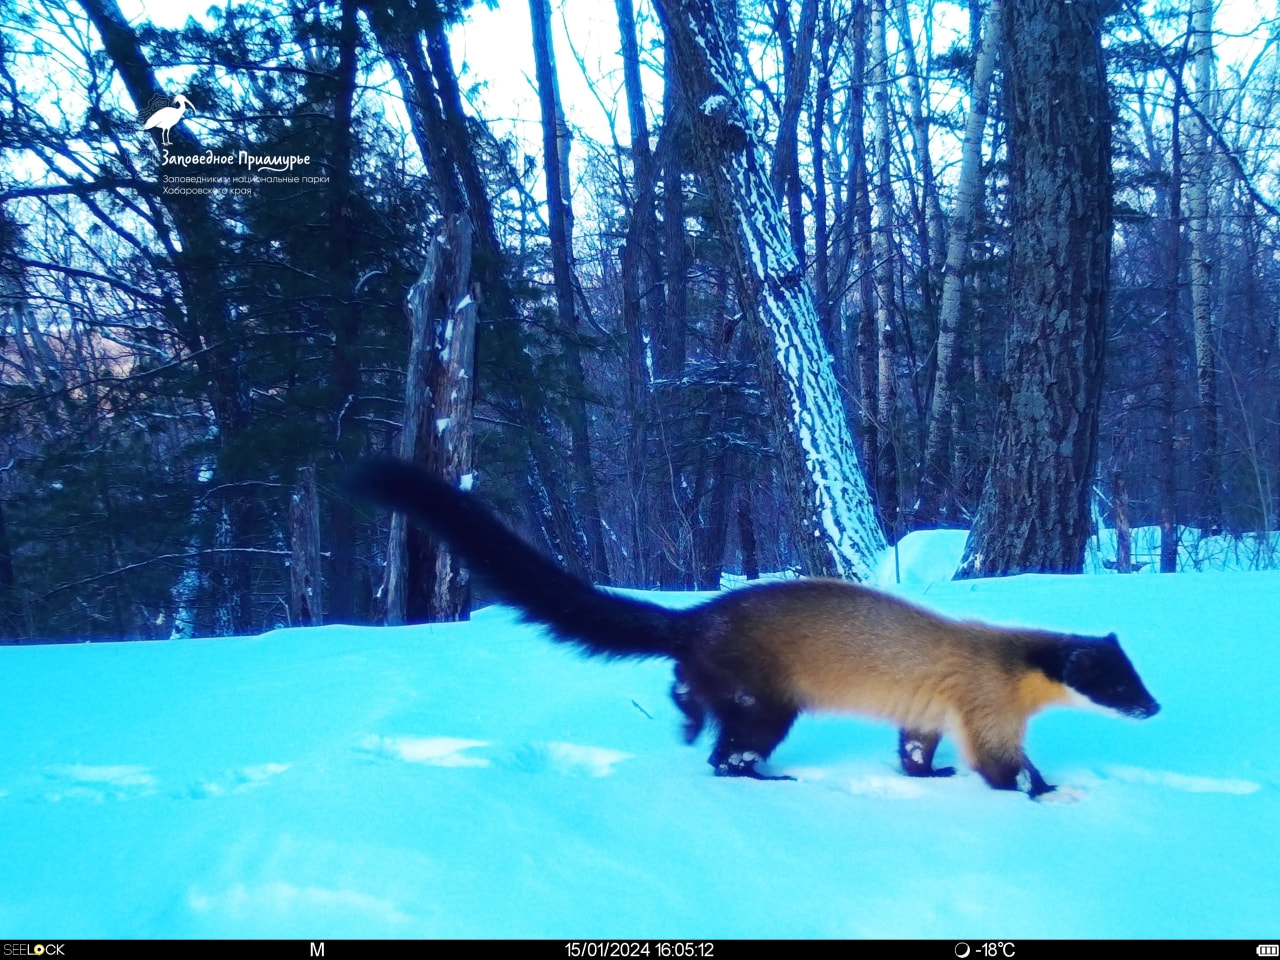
<point x="752" y="659"/>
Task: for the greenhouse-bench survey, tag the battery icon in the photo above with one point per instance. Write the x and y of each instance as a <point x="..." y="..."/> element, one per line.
<point x="1269" y="949"/>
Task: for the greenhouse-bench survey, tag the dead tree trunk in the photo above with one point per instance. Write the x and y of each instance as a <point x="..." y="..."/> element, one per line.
<point x="444" y="137"/>
<point x="423" y="581"/>
<point x="306" y="603"/>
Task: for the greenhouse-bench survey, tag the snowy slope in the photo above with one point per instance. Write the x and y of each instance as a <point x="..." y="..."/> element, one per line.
<point x="475" y="780"/>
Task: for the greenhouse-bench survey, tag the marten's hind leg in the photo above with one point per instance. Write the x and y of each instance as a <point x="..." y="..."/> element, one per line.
<point x="691" y="705"/>
<point x="749" y="732"/>
<point x="915" y="750"/>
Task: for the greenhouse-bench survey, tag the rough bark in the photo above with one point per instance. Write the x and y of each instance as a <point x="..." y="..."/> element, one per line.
<point x="1124" y="536"/>
<point x="1034" y="514"/>
<point x="306" y="601"/>
<point x="423" y="581"/>
<point x="826" y="490"/>
<point x="445" y="142"/>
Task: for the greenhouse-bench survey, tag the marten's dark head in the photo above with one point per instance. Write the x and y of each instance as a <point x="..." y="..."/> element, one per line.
<point x="1098" y="670"/>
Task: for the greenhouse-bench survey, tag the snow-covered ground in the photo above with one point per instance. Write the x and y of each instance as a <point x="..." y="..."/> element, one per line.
<point x="474" y="780"/>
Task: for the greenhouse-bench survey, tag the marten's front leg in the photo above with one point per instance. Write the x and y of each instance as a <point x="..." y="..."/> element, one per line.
<point x="1008" y="773"/>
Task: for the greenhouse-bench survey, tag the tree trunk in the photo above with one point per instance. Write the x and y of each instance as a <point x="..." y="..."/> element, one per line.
<point x="555" y="152"/>
<point x="208" y="334"/>
<point x="828" y="317"/>
<point x="860" y="201"/>
<point x="1210" y="484"/>
<point x="1124" y="536"/>
<point x="1035" y="513"/>
<point x="930" y="225"/>
<point x="306" y="602"/>
<point x="345" y="383"/>
<point x="839" y="533"/>
<point x="424" y="583"/>
<point x="797" y="57"/>
<point x="886" y="479"/>
<point x="668" y="348"/>
<point x="642" y="296"/>
<point x="1167" y="335"/>
<point x="437" y="103"/>
<point x="935" y="488"/>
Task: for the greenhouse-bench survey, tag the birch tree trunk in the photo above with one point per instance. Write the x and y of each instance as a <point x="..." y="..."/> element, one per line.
<point x="424" y="583"/>
<point x="839" y="533"/>
<point x="860" y="202"/>
<point x="934" y="488"/>
<point x="1167" y="336"/>
<point x="1209" y="494"/>
<point x="931" y="227"/>
<point x="882" y="243"/>
<point x="1034" y="514"/>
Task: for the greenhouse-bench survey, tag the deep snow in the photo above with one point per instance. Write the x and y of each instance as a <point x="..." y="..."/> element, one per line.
<point x="474" y="780"/>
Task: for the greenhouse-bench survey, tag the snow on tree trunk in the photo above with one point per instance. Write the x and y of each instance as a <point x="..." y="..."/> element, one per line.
<point x="820" y="465"/>
<point x="1034" y="513"/>
<point x="423" y="581"/>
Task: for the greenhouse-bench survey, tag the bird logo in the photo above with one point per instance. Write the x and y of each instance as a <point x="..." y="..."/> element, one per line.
<point x="166" y="116"/>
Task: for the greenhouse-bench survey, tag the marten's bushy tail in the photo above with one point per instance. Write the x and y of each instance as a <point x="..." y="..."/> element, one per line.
<point x="600" y="623"/>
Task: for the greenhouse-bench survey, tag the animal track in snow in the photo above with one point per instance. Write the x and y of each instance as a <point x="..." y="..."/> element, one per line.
<point x="1181" y="781"/>
<point x="432" y="751"/>
<point x="575" y="760"/>
<point x="98" y="783"/>
<point x="237" y="781"/>
<point x="566" y="759"/>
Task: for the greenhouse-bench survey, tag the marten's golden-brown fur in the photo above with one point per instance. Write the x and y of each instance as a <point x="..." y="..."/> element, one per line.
<point x="752" y="659"/>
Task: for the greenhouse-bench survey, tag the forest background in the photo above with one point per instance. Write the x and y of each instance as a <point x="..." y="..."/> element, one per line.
<point x="186" y="373"/>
